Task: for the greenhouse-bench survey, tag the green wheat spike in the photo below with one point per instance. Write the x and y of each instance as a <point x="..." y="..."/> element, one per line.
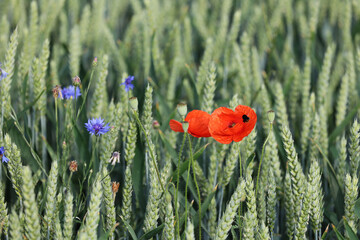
<point x="280" y="106"/>
<point x="354" y="148"/>
<point x="231" y="162"/>
<point x="323" y="80"/>
<point x="4" y="34"/>
<point x="75" y="51"/>
<point x="164" y="176"/>
<point x="9" y="67"/>
<point x="306" y="126"/>
<point x="230" y="211"/>
<point x="351" y="194"/>
<point x="84" y="25"/>
<point x="302" y="223"/>
<point x="271" y="202"/>
<point x="68" y="216"/>
<point x="252" y="223"/>
<point x="341" y="107"/>
<point x="31" y="43"/>
<point x="248" y="231"/>
<point x="324" y="139"/>
<point x="146" y="117"/>
<point x="315" y="136"/>
<point x="57" y="228"/>
<point x="15" y="231"/>
<point x="152" y="207"/>
<point x="316" y="196"/>
<point x="209" y="91"/>
<point x="261" y="197"/>
<point x="263" y="233"/>
<point x="212" y="222"/>
<point x="4" y="219"/>
<point x="126" y="208"/>
<point x="294" y="95"/>
<point x="222" y="28"/>
<point x="342" y="165"/>
<point x="188" y="41"/>
<point x="109" y="202"/>
<point x="296" y="172"/>
<point x="189" y="231"/>
<point x="203" y="69"/>
<point x="275" y="165"/>
<point x="168" y="232"/>
<point x="289" y="206"/>
<point x="14" y="165"/>
<point x="250" y="147"/>
<point x="93" y="212"/>
<point x="32" y="223"/>
<point x="350" y="69"/>
<point x="39" y="77"/>
<point x="50" y="214"/>
<point x="100" y="97"/>
<point x="49" y="16"/>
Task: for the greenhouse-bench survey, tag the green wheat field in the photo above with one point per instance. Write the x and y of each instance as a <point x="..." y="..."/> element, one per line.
<point x="126" y="68"/>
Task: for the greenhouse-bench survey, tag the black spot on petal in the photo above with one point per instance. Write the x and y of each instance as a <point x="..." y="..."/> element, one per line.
<point x="245" y="118"/>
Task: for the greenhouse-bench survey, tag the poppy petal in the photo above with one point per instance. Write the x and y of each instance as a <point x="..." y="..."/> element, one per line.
<point x="176" y="126"/>
<point x="198" y="123"/>
<point x="226" y="125"/>
<point x="224" y="139"/>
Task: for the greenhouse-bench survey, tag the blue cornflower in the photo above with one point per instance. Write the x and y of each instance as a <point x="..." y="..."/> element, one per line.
<point x="3" y="74"/>
<point x="128" y="83"/>
<point x="2" y="155"/>
<point x="97" y="126"/>
<point x="69" y="92"/>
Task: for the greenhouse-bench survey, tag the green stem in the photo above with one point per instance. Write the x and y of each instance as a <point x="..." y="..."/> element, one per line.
<point x="262" y="156"/>
<point x="57" y="129"/>
<point x="196" y="184"/>
<point x="150" y="150"/>
<point x="177" y="187"/>
<point x="186" y="187"/>
<point x="240" y="207"/>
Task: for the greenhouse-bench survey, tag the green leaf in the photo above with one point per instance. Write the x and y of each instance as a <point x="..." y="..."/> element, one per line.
<point x="130" y="229"/>
<point x="204" y="208"/>
<point x="349" y="231"/>
<point x="153" y="232"/>
<point x="338" y="234"/>
<point x="339" y="129"/>
<point x="357" y="208"/>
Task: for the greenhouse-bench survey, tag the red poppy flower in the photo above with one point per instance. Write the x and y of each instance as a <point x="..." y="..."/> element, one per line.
<point x="198" y="124"/>
<point x="226" y="125"/>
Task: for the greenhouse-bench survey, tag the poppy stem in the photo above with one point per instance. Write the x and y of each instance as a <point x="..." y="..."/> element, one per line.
<point x="196" y="184"/>
<point x="177" y="187"/>
<point x="262" y="156"/>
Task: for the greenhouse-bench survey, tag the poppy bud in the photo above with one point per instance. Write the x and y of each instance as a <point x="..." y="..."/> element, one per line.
<point x="271" y="116"/>
<point x="182" y="109"/>
<point x="168" y="197"/>
<point x="134" y="103"/>
<point x="185" y="126"/>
